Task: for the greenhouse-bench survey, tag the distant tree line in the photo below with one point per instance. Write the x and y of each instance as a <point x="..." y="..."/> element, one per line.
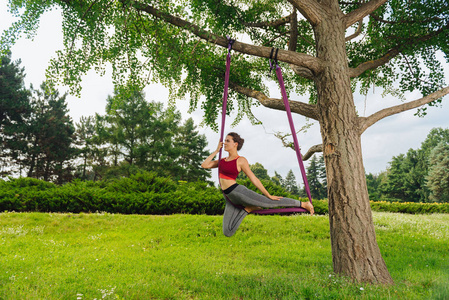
<point x="420" y="175"/>
<point x="38" y="138"/>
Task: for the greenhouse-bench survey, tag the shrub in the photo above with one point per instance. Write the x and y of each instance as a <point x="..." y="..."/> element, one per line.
<point x="410" y="207"/>
<point x="142" y="193"/>
<point x="27" y="183"/>
<point x="146" y="193"/>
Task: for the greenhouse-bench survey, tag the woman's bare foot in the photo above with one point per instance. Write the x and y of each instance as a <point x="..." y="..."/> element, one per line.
<point x="249" y="209"/>
<point x="308" y="206"/>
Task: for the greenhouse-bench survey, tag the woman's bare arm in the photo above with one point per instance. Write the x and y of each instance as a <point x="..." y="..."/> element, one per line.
<point x="209" y="163"/>
<point x="243" y="163"/>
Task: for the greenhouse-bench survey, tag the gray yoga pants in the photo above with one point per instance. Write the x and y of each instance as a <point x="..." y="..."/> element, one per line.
<point x="244" y="197"/>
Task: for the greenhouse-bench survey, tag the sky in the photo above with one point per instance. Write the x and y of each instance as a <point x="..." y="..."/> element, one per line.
<point x="387" y="138"/>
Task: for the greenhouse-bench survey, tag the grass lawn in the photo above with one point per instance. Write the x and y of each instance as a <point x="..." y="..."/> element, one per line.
<point x="106" y="256"/>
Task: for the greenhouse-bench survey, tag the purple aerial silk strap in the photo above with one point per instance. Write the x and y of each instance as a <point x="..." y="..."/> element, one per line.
<point x="223" y="120"/>
<point x="292" y="126"/>
<point x="225" y="93"/>
<point x="223" y="111"/>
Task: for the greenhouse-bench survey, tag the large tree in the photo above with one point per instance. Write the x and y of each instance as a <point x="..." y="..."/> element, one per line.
<point x="48" y="137"/>
<point x="14" y="107"/>
<point x="191" y="146"/>
<point x="127" y="116"/>
<point x="316" y="178"/>
<point x="139" y="133"/>
<point x="85" y="137"/>
<point x="327" y="48"/>
<point x="438" y="178"/>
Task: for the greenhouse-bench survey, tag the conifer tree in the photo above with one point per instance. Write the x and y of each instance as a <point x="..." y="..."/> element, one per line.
<point x="49" y="137"/>
<point x="85" y="136"/>
<point x="191" y="146"/>
<point x="14" y="107"/>
<point x="438" y="177"/>
<point x="315" y="177"/>
<point x="277" y="179"/>
<point x="406" y="176"/>
<point x="290" y="183"/>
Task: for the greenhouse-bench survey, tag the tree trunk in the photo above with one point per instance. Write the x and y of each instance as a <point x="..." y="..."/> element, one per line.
<point x="355" y="251"/>
<point x="32" y="164"/>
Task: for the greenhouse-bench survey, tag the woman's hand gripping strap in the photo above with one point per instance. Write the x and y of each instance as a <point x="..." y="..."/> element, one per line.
<point x="275" y="58"/>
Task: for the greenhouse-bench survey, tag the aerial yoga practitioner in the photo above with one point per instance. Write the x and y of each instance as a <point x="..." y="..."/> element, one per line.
<point x="240" y="201"/>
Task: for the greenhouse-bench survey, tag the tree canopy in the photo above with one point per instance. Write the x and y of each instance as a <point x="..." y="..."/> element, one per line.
<point x="390" y="44"/>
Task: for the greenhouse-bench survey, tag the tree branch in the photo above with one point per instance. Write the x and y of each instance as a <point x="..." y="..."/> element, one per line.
<point x="287" y="144"/>
<point x="275" y="23"/>
<point x="363" y="11"/>
<point x="310" y="9"/>
<point x="303" y="72"/>
<point x="293" y="41"/>
<point x="393" y="52"/>
<point x="365" y="123"/>
<point x="405" y="22"/>
<point x="356" y="33"/>
<point x="312" y="151"/>
<point x="314" y="64"/>
<point x="373" y="64"/>
<point x="307" y="110"/>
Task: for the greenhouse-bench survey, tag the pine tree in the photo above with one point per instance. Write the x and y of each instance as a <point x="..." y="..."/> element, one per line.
<point x="406" y="176"/>
<point x="373" y="182"/>
<point x="277" y="179"/>
<point x="14" y="97"/>
<point x="314" y="174"/>
<point x="85" y="137"/>
<point x="438" y="177"/>
<point x="191" y="146"/>
<point x="259" y="171"/>
<point x="142" y="135"/>
<point x="49" y="136"/>
<point x="14" y="107"/>
<point x="126" y="124"/>
<point x="290" y="183"/>
<point x="159" y="152"/>
<point x="394" y="186"/>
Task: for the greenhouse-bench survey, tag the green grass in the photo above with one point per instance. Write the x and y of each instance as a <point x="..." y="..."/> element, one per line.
<point x="105" y="256"/>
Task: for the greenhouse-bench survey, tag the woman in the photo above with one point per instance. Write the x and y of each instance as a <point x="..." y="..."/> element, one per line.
<point x="243" y="200"/>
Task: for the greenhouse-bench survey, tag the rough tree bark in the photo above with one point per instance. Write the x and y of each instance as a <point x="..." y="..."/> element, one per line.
<point x="355" y="251"/>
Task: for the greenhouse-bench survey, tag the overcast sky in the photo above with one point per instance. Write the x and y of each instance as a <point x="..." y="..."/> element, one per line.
<point x="382" y="141"/>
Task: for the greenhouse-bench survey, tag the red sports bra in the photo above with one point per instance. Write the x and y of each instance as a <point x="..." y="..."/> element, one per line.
<point x="228" y="169"/>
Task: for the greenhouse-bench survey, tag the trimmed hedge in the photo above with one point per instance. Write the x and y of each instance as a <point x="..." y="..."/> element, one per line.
<point x="146" y="193"/>
<point x="142" y="193"/>
<point x="410" y="207"/>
